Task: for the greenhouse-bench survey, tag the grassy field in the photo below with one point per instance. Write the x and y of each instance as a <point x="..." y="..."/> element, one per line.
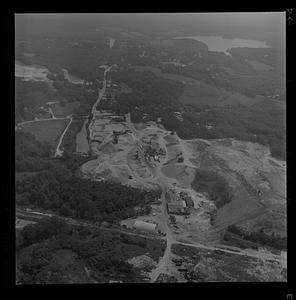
<point x="48" y="131"/>
<point x="60" y="110"/>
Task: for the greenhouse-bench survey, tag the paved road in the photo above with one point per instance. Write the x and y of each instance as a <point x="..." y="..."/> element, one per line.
<point x="59" y="152"/>
<point x="102" y="90"/>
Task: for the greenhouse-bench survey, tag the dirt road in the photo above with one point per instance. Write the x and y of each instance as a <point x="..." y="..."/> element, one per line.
<point x="37" y="217"/>
<point x="164" y="262"/>
<point x="41" y="120"/>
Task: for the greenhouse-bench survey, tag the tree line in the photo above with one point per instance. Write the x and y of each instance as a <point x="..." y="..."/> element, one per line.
<point x="105" y="254"/>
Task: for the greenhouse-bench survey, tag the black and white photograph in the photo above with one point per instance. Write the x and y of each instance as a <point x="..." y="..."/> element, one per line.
<point x="150" y="147"/>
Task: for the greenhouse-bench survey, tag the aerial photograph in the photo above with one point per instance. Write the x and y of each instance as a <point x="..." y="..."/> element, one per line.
<point x="150" y="147"/>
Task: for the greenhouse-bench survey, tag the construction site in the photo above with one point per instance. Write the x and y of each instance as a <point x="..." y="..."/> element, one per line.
<point x="147" y="156"/>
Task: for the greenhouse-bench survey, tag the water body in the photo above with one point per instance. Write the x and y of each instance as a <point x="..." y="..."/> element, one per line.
<point x="220" y="44"/>
<point x="82" y="145"/>
<point x="71" y="78"/>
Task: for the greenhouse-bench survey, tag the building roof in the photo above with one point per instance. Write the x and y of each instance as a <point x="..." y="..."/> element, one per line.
<point x="139" y="224"/>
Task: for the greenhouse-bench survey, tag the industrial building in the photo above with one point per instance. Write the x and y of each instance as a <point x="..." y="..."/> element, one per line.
<point x="175" y="208"/>
<point x="178" y="208"/>
<point x="178" y="203"/>
<point x="145" y="226"/>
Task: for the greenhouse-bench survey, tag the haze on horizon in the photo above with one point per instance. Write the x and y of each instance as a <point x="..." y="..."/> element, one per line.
<point x="259" y="25"/>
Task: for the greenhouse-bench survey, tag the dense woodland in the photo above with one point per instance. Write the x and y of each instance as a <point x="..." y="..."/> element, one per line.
<point x="79" y="58"/>
<point x="148" y="91"/>
<point x="157" y="97"/>
<point x="30" y="154"/>
<point x="52" y="251"/>
<point x="80" y="198"/>
<point x="30" y="96"/>
<point x="263" y="123"/>
<point x="57" y="187"/>
<point x="152" y="97"/>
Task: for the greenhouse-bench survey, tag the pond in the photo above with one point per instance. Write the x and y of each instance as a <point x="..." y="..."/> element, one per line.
<point x="71" y="78"/>
<point x="220" y="44"/>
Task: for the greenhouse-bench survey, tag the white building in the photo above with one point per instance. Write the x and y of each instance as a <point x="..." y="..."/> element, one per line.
<point x="145" y="226"/>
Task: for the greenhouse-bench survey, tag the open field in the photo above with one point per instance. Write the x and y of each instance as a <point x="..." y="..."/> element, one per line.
<point x="182" y="173"/>
<point x="243" y="164"/>
<point x="48" y="131"/>
<point x="32" y="72"/>
<point x="200" y="265"/>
